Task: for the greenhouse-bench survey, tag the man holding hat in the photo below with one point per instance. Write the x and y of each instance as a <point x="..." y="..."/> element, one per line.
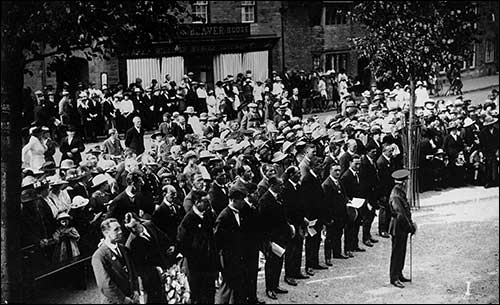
<point x="401" y="224"/>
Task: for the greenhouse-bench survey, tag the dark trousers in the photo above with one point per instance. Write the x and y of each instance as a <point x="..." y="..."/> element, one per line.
<point x="293" y="254"/>
<point x="312" y="248"/>
<point x="367" y="223"/>
<point x="232" y="291"/>
<point x="491" y="175"/>
<point x="252" y="263"/>
<point x="351" y="240"/>
<point x="273" y="271"/>
<point x="202" y="286"/>
<point x="333" y="239"/>
<point x="384" y="218"/>
<point x="398" y="254"/>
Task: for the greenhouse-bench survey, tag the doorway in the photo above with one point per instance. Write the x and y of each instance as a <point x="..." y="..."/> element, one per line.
<point x="202" y="67"/>
<point x="73" y="71"/>
<point x="364" y="73"/>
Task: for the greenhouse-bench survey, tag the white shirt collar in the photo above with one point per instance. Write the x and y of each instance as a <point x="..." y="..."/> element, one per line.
<point x="197" y="212"/>
<point x="353" y="172"/>
<point x="388" y="159"/>
<point x="127" y="191"/>
<point x="336" y="181"/>
<point x="275" y="195"/>
<point x="312" y="173"/>
<point x="113" y="247"/>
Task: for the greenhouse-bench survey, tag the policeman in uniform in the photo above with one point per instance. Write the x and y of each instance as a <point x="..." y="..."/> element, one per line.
<point x="401" y="224"/>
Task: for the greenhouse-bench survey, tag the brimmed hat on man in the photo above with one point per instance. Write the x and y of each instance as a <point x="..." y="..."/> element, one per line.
<point x="29" y="195"/>
<point x="99" y="180"/>
<point x="190" y="110"/>
<point x="489" y="120"/>
<point x="78" y="202"/>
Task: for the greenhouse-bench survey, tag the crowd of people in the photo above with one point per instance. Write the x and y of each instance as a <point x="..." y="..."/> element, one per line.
<point x="236" y="171"/>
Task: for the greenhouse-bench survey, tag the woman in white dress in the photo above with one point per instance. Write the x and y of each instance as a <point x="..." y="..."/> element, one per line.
<point x="33" y="152"/>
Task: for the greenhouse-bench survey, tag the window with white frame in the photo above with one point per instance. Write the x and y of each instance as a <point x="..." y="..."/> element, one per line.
<point x="489" y="52"/>
<point x="200" y="10"/>
<point x="247" y="11"/>
<point x="336" y="61"/>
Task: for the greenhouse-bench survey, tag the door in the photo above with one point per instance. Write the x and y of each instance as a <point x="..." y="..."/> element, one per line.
<point x="73" y="71"/>
<point x="202" y="67"/>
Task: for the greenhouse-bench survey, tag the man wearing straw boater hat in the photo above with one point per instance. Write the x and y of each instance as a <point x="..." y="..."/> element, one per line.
<point x="401" y="224"/>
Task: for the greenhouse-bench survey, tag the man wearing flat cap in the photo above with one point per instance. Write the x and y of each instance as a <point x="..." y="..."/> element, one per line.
<point x="401" y="224"/>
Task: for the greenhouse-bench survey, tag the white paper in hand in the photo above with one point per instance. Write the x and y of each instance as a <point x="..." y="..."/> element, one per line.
<point x="277" y="249"/>
<point x="357" y="202"/>
<point x="311" y="231"/>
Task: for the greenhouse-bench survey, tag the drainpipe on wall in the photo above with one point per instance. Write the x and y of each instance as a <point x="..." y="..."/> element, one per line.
<point x="44" y="67"/>
<point x="282" y="13"/>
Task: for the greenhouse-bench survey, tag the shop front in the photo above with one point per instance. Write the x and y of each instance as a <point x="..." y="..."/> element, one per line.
<point x="210" y="51"/>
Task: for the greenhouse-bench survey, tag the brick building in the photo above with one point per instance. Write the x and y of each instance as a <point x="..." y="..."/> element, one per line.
<point x="261" y="36"/>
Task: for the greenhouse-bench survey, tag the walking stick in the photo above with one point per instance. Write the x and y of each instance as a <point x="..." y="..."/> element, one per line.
<point x="411" y="262"/>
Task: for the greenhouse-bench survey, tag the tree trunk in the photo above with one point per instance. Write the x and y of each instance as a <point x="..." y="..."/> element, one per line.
<point x="412" y="146"/>
<point x="11" y="101"/>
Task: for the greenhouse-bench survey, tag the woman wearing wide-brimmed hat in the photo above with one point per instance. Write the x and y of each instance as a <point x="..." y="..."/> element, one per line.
<point x="33" y="152"/>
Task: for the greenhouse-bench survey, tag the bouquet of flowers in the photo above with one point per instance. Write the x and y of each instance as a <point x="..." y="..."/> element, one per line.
<point x="176" y="285"/>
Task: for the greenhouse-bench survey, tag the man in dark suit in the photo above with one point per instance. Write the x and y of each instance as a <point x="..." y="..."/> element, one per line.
<point x="252" y="230"/>
<point x="369" y="182"/>
<point x="231" y="250"/>
<point x="72" y="146"/>
<point x="168" y="215"/>
<point x="336" y="202"/>
<point x="331" y="158"/>
<point x="385" y="168"/>
<point x="181" y="129"/>
<point x="131" y="200"/>
<point x="198" y="184"/>
<point x="276" y="233"/>
<point x="374" y="140"/>
<point x="196" y="241"/>
<point x="312" y="193"/>
<point x="489" y="142"/>
<point x="134" y="138"/>
<point x="350" y="183"/>
<point x="149" y="249"/>
<point x="295" y="213"/>
<point x="346" y="158"/>
<point x="218" y="191"/>
<point x="452" y="145"/>
<point x="113" y="268"/>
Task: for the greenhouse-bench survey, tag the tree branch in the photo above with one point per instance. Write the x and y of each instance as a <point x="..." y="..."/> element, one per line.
<point x="42" y="56"/>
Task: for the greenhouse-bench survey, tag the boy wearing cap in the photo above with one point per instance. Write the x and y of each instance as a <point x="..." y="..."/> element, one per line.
<point x="401" y="225"/>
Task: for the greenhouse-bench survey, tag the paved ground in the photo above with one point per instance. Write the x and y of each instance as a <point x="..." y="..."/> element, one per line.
<point x="456" y="242"/>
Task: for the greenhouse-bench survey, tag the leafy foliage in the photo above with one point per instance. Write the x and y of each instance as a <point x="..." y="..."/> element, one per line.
<point x="409" y="38"/>
<point x="98" y="28"/>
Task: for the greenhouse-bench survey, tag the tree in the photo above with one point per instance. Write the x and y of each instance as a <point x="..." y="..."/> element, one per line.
<point x="99" y="29"/>
<point x="407" y="39"/>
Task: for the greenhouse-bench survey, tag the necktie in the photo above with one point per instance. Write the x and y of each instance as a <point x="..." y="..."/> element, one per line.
<point x="357" y="178"/>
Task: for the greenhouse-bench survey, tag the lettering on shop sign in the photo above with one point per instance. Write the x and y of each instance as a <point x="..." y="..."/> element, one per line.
<point x="221" y="30"/>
